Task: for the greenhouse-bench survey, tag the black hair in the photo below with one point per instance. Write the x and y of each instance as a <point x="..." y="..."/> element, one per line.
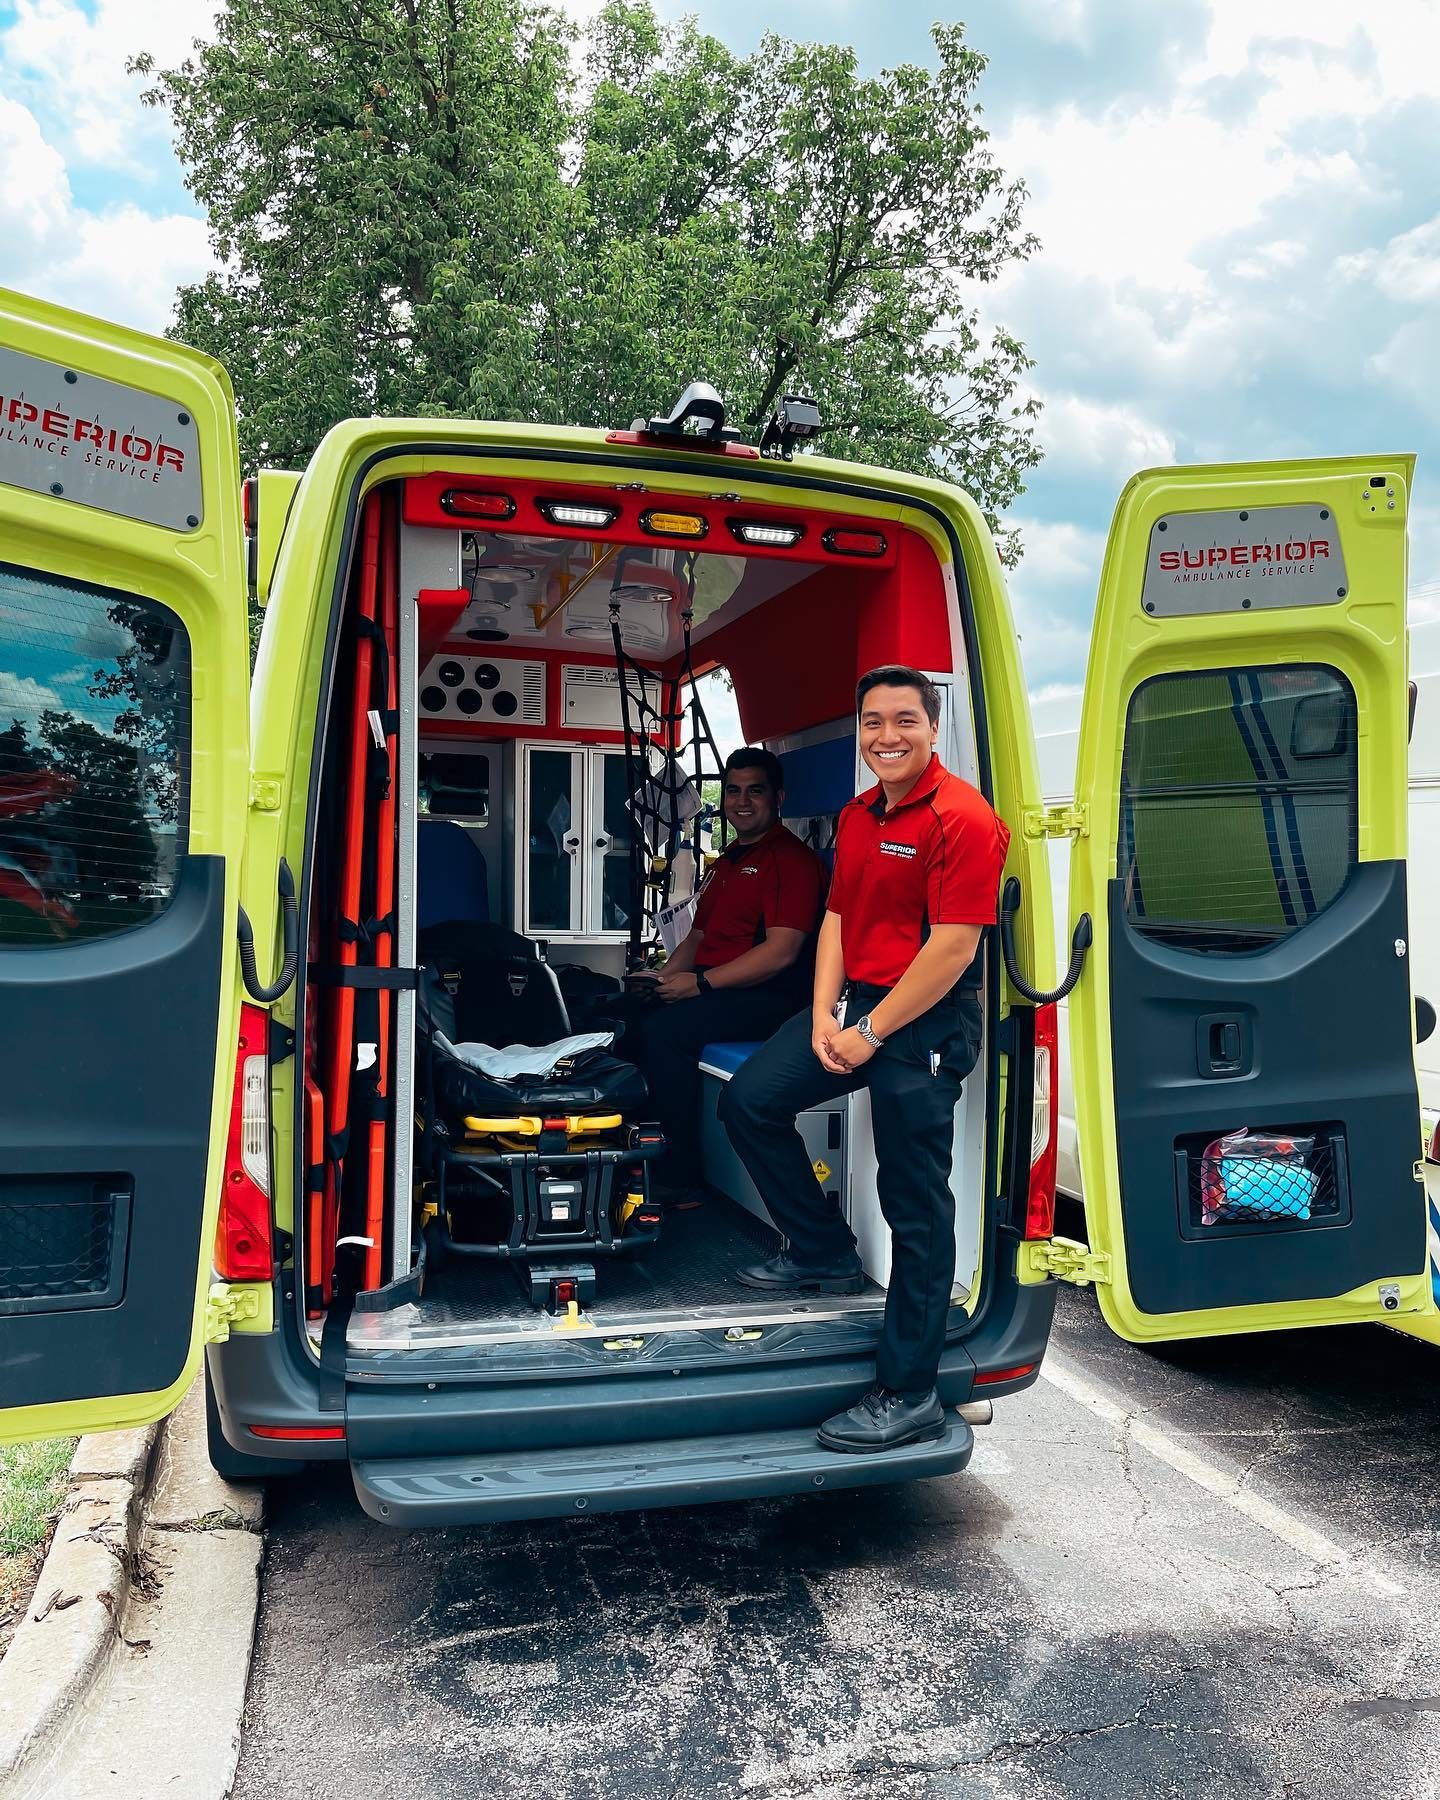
<point x="900" y="675"/>
<point x="749" y="757"/>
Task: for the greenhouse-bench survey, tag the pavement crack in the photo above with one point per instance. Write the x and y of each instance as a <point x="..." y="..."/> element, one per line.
<point x="223" y="1518"/>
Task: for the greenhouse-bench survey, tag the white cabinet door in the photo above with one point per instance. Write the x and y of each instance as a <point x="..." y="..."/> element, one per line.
<point x="552" y="825"/>
<point x="608" y="840"/>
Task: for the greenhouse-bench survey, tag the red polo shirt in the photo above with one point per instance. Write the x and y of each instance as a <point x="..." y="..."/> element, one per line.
<point x="754" y="887"/>
<point x="934" y="859"/>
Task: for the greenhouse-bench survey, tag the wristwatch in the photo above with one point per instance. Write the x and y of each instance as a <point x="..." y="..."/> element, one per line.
<point x="867" y="1031"/>
<point x="702" y="981"/>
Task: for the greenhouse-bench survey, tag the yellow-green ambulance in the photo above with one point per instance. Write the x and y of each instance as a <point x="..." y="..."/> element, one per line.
<point x="234" y="909"/>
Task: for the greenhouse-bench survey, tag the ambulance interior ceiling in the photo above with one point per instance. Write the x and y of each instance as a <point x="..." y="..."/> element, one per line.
<point x="793" y="633"/>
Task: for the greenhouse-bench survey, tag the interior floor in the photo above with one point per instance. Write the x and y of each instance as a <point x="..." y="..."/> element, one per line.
<point x="689" y="1275"/>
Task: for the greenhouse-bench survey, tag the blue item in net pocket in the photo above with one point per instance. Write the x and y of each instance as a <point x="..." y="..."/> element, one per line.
<point x="1257" y="1176"/>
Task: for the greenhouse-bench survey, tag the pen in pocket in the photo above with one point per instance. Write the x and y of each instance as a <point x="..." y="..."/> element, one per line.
<point x="934" y="1062"/>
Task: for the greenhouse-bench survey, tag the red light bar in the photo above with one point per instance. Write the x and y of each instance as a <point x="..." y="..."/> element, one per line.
<point x="990" y="1376"/>
<point x="250" y="504"/>
<point x="842" y="542"/>
<point x="299" y="1433"/>
<point x="464" y="503"/>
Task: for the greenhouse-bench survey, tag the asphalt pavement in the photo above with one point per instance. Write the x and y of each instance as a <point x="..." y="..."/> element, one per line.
<point x="1211" y="1571"/>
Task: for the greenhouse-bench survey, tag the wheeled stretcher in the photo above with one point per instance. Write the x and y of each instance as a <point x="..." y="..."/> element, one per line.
<point x="529" y="1167"/>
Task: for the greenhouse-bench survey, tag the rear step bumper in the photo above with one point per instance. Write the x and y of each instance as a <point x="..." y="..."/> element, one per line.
<point x="548" y="1484"/>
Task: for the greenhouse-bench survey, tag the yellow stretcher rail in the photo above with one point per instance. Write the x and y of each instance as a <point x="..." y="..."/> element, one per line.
<point x="531" y="1125"/>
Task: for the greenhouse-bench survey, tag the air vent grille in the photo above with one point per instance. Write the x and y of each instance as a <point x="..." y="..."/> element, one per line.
<point x="483" y="690"/>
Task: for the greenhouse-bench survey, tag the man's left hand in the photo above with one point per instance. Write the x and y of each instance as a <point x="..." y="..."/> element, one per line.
<point x="850" y="1048"/>
<point x="679" y="985"/>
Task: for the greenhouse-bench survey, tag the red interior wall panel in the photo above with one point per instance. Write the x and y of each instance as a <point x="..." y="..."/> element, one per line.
<point x="907" y="622"/>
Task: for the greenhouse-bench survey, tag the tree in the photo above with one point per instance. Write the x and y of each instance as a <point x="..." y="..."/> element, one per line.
<point x="418" y="208"/>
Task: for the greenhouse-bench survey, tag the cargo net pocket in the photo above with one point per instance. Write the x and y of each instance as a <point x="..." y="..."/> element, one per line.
<point x="1266" y="1177"/>
<point x="55" y="1250"/>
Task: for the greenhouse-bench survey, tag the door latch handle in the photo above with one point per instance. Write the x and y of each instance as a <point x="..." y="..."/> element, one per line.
<point x="1223" y="1045"/>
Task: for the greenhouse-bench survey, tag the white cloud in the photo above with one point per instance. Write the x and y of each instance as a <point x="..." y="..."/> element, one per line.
<point x="1053" y="593"/>
<point x="1409" y="362"/>
<point x="69" y="65"/>
<point x="21" y="697"/>
<point x="122" y="262"/>
<point x="1406" y="269"/>
<point x="34" y="188"/>
<point x="1093" y="437"/>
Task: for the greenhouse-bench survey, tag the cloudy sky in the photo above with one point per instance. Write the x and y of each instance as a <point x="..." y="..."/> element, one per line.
<point x="1236" y="200"/>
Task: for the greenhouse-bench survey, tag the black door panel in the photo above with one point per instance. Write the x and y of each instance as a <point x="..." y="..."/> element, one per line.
<point x="108" y="1052"/>
<point x="1321" y="1041"/>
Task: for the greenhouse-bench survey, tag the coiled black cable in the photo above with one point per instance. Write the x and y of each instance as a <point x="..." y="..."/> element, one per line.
<point x="290" y="935"/>
<point x="1079" y="944"/>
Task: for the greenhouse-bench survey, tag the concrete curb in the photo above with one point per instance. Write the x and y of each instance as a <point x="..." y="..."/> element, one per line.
<point x="62" y="1643"/>
<point x="163" y="1559"/>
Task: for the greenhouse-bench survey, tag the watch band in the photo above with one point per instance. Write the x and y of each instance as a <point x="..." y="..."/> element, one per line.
<point x="867" y="1031"/>
<point x="702" y="981"/>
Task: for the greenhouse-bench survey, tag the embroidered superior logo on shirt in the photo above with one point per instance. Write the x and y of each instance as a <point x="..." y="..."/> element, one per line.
<point x="897" y="849"/>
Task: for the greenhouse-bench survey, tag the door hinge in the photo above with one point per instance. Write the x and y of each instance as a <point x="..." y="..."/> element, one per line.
<point x="265" y="793"/>
<point x="1056" y="821"/>
<point x="226" y="1306"/>
<point x="1064" y="1260"/>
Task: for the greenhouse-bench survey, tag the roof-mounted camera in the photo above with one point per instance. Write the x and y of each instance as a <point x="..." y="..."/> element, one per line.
<point x="795" y="421"/>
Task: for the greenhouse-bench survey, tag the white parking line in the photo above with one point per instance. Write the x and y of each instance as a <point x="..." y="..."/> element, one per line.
<point x="1303" y="1538"/>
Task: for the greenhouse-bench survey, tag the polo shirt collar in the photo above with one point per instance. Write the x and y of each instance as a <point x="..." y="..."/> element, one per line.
<point x="922" y="789"/>
<point x="737" y="849"/>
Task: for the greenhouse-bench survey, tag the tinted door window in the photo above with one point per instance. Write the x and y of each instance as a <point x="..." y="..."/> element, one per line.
<point x="1238" y="804"/>
<point x="94" y="758"/>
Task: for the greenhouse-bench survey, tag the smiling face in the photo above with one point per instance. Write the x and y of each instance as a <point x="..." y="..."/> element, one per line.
<point x="751" y="804"/>
<point x="896" y="737"/>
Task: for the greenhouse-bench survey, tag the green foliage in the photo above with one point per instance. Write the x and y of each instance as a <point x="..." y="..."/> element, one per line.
<point x="420" y="209"/>
<point x="32" y="1482"/>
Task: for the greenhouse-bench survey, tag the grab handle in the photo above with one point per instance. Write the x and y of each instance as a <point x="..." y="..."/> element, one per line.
<point x="290" y="934"/>
<point x="1079" y="944"/>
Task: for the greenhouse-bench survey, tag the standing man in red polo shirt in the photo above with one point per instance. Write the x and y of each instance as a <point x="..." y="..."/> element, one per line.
<point x="743" y="967"/>
<point x="917" y="874"/>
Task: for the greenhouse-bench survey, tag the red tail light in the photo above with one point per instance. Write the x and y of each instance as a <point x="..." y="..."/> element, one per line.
<point x="244" y="1248"/>
<point x="1045" y="1123"/>
<point x="299" y="1433"/>
<point x="990" y="1377"/>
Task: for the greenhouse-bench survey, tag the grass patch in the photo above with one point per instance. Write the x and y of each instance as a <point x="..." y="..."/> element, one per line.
<point x="32" y="1483"/>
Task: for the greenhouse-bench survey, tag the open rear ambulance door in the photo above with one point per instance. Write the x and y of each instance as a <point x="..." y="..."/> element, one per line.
<point x="1242" y="774"/>
<point x="124" y="676"/>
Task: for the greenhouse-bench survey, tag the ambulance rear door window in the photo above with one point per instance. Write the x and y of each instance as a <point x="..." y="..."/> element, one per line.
<point x="1238" y="805"/>
<point x="94" y="758"/>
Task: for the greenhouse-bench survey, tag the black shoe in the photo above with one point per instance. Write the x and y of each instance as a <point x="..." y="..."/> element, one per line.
<point x="783" y="1275"/>
<point x="884" y="1420"/>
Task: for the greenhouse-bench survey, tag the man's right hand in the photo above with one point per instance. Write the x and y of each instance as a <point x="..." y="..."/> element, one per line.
<point x="824" y="1027"/>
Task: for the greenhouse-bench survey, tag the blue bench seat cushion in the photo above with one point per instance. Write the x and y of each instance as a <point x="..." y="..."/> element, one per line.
<point x="725" y="1060"/>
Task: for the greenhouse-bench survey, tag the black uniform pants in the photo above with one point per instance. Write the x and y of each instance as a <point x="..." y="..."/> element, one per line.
<point x="666" y="1038"/>
<point x="913" y="1114"/>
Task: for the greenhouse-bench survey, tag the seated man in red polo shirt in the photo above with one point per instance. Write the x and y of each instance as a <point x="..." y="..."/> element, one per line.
<point x="743" y="967"/>
<point x="917" y="874"/>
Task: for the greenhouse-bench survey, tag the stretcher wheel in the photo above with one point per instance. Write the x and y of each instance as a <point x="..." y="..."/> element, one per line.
<point x="437" y="1251"/>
